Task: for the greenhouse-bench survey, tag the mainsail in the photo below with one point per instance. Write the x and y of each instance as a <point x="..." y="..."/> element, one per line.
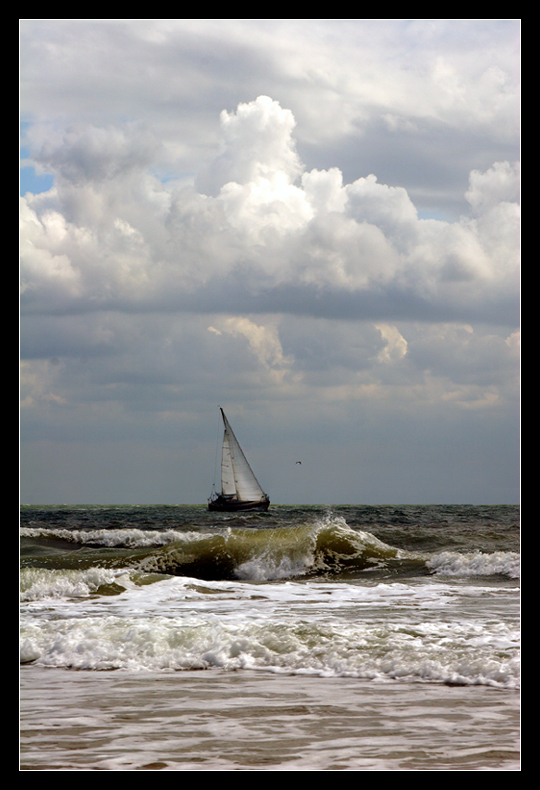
<point x="240" y="488"/>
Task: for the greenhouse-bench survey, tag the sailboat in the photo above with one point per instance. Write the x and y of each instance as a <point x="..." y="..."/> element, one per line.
<point x="240" y="489"/>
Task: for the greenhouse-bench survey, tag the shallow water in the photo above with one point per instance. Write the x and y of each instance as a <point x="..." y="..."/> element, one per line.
<point x="248" y="721"/>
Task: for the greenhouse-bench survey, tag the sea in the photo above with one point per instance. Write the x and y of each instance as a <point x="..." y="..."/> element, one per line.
<point x="306" y="638"/>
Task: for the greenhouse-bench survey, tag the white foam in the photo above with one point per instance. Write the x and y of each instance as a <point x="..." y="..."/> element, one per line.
<point x="390" y="651"/>
<point x="112" y="538"/>
<point x="377" y="631"/>
<point x="501" y="563"/>
<point x="39" y="584"/>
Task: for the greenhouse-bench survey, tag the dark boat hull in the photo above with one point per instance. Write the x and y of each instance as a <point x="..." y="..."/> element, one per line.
<point x="228" y="505"/>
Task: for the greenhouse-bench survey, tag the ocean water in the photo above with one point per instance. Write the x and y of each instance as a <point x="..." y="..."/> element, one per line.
<point x="345" y="638"/>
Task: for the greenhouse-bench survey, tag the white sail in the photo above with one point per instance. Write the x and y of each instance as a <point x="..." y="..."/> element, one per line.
<point x="237" y="478"/>
<point x="228" y="487"/>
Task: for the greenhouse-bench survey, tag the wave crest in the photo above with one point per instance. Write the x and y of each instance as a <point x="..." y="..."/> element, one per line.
<point x="327" y="547"/>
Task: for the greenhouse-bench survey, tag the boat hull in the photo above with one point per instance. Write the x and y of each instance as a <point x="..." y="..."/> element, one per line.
<point x="227" y="505"/>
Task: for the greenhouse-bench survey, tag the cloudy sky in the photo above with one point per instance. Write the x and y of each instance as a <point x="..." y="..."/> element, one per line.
<point x="312" y="223"/>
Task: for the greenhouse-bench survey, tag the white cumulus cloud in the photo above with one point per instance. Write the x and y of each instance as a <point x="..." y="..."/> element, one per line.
<point x="111" y="235"/>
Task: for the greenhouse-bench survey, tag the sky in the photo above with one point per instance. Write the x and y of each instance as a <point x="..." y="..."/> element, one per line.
<point x="313" y="223"/>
